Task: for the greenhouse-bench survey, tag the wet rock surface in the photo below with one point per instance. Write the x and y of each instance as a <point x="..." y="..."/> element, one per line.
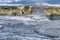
<point x="33" y="30"/>
<point x="54" y="17"/>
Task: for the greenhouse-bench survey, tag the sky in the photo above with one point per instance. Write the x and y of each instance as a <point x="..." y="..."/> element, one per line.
<point x="30" y="2"/>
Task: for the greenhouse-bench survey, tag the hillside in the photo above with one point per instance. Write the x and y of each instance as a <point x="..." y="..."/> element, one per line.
<point x="29" y="9"/>
<point x="52" y="10"/>
<point x="9" y="10"/>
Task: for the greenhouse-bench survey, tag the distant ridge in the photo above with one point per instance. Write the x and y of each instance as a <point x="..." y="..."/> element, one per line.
<point x="17" y="5"/>
<point x="29" y="4"/>
<point x="47" y="4"/>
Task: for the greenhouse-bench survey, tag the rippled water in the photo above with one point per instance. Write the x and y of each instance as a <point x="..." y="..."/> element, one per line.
<point x="21" y="28"/>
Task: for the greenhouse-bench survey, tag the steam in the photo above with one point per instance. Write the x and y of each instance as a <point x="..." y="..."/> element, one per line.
<point x="39" y="12"/>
